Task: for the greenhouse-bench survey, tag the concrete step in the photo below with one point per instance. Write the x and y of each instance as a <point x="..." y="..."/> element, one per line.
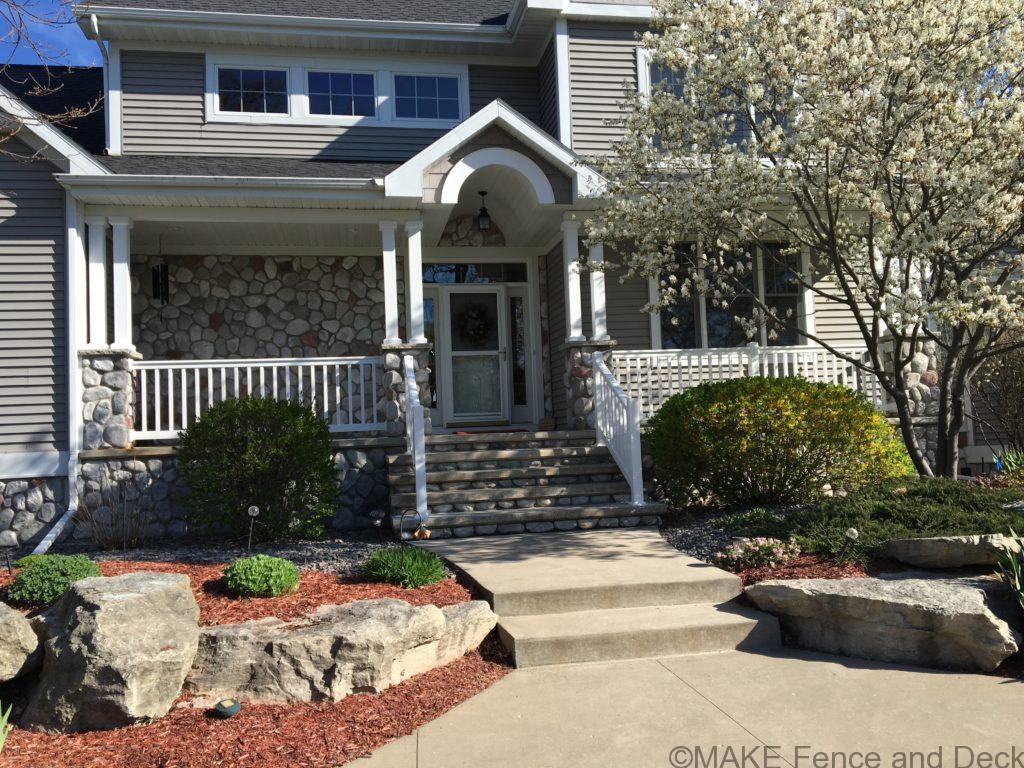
<point x="553" y="514"/>
<point x="457" y="441"/>
<point x="509" y="455"/>
<point x="437" y="477"/>
<point x="631" y="633"/>
<point x="470" y="495"/>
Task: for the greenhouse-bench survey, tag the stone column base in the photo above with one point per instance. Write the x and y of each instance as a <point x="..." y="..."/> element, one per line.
<point x="108" y="397"/>
<point x="394" y="399"/>
<point x="579" y="381"/>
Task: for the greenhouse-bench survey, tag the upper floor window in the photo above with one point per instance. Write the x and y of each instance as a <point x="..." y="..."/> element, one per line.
<point x="342" y="93"/>
<point x="260" y="91"/>
<point x="426" y="97"/>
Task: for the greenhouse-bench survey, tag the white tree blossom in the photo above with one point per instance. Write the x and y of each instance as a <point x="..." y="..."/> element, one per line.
<point x="884" y="138"/>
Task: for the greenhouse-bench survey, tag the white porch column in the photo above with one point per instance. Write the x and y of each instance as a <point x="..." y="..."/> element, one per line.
<point x="122" y="269"/>
<point x="387" y="236"/>
<point x="414" y="281"/>
<point x="571" y="262"/>
<point x="598" y="305"/>
<point x="97" y="274"/>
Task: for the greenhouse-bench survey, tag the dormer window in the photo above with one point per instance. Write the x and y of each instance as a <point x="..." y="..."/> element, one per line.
<point x="429" y="97"/>
<point x="342" y="93"/>
<point x="252" y="91"/>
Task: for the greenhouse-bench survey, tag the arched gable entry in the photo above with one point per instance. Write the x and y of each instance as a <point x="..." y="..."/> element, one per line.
<point x="503" y="156"/>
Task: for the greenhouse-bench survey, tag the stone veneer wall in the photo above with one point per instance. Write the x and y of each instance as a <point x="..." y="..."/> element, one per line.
<point x="108" y="399"/>
<point x="28" y="508"/>
<point x="261" y="306"/>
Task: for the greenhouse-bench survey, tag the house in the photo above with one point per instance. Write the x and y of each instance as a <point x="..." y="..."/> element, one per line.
<point x="346" y="202"/>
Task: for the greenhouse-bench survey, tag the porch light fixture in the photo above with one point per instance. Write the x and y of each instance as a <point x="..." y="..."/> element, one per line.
<point x="483" y="218"/>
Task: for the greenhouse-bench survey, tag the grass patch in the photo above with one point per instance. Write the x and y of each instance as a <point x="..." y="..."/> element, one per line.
<point x="408" y="567"/>
<point x="905" y="508"/>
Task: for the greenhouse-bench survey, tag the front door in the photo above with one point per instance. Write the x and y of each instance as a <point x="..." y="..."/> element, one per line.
<point x="476" y="389"/>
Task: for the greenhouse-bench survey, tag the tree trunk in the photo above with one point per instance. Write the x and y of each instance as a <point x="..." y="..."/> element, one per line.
<point x="921" y="464"/>
<point x="947" y="451"/>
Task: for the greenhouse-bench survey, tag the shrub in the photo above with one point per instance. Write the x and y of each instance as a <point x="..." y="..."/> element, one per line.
<point x="46" y="577"/>
<point x="261" y="576"/>
<point x="5" y="726"/>
<point x="273" y="454"/>
<point x="1011" y="567"/>
<point x="119" y="519"/>
<point x="757" y="553"/>
<point x="408" y="567"/>
<point x="769" y="442"/>
<point x="27" y="560"/>
<point x="895" y="509"/>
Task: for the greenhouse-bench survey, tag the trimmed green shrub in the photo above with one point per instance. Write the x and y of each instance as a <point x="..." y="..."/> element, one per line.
<point x="408" y="567"/>
<point x="769" y="442"/>
<point x="27" y="560"/>
<point x="255" y="451"/>
<point x="261" y="576"/>
<point x="895" y="509"/>
<point x="46" y="577"/>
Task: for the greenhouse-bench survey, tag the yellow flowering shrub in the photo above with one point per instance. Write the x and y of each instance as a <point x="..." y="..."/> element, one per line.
<point x="767" y="442"/>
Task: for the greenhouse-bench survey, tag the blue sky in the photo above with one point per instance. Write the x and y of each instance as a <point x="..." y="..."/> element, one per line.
<point x="63" y="43"/>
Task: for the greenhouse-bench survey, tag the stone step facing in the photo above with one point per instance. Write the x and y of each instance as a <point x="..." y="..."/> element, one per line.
<point x="510" y="475"/>
<point x="630" y="633"/>
<point x="595" y="595"/>
<point x="508" y="440"/>
<point x="507" y="457"/>
<point x="537" y="519"/>
<point x="607" y="491"/>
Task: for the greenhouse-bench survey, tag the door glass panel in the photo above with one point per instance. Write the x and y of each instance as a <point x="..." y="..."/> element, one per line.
<point x="475" y="383"/>
<point x="474" y="322"/>
<point x="517" y="348"/>
<point x="430" y="331"/>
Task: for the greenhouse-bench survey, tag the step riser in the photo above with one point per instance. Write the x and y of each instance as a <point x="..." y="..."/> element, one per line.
<point x="750" y="635"/>
<point x="548" y="518"/>
<point x="500" y="458"/>
<point x="620" y="596"/>
<point x="512" y="477"/>
<point x="536" y="495"/>
<point x="505" y="445"/>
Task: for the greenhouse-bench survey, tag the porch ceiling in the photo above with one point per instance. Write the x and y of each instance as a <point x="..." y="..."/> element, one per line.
<point x="201" y="237"/>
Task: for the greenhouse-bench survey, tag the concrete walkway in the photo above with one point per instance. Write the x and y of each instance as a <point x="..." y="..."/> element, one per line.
<point x="633" y="714"/>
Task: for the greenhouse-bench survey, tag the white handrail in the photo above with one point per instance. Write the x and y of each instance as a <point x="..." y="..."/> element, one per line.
<point x="415" y="436"/>
<point x="654" y="375"/>
<point x="617" y="423"/>
<point x="170" y="395"/>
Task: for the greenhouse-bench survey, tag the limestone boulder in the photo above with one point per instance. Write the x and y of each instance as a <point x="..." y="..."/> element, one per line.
<point x="116" y="652"/>
<point x="20" y="650"/>
<point x="950" y="551"/>
<point x="912" y="618"/>
<point x="364" y="646"/>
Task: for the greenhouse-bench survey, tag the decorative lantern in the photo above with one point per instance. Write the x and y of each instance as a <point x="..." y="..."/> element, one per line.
<point x="483" y="218"/>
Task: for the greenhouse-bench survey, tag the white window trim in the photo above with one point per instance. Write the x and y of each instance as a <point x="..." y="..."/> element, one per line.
<point x="805" y="306"/>
<point x="643" y="71"/>
<point x="383" y="71"/>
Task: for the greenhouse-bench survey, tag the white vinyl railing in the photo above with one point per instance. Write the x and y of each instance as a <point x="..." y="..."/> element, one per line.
<point x="415" y="438"/>
<point x="617" y="423"/>
<point x="170" y="395"/>
<point x="653" y="376"/>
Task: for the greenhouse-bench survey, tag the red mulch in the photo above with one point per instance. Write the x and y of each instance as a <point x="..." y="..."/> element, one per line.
<point x="803" y="567"/>
<point x="316" y="588"/>
<point x="269" y="736"/>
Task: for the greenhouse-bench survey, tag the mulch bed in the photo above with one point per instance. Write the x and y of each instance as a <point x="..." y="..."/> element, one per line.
<point x="803" y="567"/>
<point x="270" y="736"/>
<point x="217" y="606"/>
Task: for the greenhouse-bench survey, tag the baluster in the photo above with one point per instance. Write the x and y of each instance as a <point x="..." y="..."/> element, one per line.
<point x="351" y="395"/>
<point x="170" y="399"/>
<point x="326" y="404"/>
<point x="209" y="387"/>
<point x="235" y="371"/>
<point x="248" y="379"/>
<point x="263" y="383"/>
<point x="144" y="402"/>
<point x="157" y="399"/>
<point x="373" y="392"/>
<point x="184" y="398"/>
<point x="197" y="400"/>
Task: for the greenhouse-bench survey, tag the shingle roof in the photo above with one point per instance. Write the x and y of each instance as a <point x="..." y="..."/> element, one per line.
<point x="250" y="167"/>
<point x="59" y="92"/>
<point x="494" y="12"/>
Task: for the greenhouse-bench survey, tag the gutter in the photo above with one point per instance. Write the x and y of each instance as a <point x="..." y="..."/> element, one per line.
<point x="248" y="182"/>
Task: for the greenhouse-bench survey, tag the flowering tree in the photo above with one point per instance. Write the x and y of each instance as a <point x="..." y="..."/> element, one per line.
<point x="882" y="140"/>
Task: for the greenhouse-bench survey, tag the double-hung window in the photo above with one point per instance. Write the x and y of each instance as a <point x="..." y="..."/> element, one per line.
<point x="350" y="94"/>
<point x="427" y="97"/>
<point x="252" y="91"/>
<point x="769" y="272"/>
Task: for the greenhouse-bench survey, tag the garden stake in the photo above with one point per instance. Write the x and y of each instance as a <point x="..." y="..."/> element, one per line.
<point x="254" y="512"/>
<point x="852" y="534"/>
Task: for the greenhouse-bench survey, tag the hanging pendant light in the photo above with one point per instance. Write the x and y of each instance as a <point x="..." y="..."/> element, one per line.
<point x="483" y="219"/>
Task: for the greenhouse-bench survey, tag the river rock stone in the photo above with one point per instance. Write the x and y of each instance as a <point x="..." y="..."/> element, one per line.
<point x="364" y="646"/>
<point x="19" y="646"/>
<point x="950" y="551"/>
<point x="910" y="618"/>
<point x="116" y="652"/>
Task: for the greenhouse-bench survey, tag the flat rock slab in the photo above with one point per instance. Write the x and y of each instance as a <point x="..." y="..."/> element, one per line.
<point x="116" y="652"/>
<point x="364" y="646"/>
<point x="914" y="618"/>
<point x="950" y="551"/>
<point x="20" y="651"/>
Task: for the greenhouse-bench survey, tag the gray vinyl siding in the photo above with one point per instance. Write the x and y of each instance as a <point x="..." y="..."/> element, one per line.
<point x="547" y="72"/>
<point x="33" y="319"/>
<point x="834" y="323"/>
<point x="163" y="113"/>
<point x="602" y="66"/>
<point x="628" y="324"/>
<point x="519" y="87"/>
